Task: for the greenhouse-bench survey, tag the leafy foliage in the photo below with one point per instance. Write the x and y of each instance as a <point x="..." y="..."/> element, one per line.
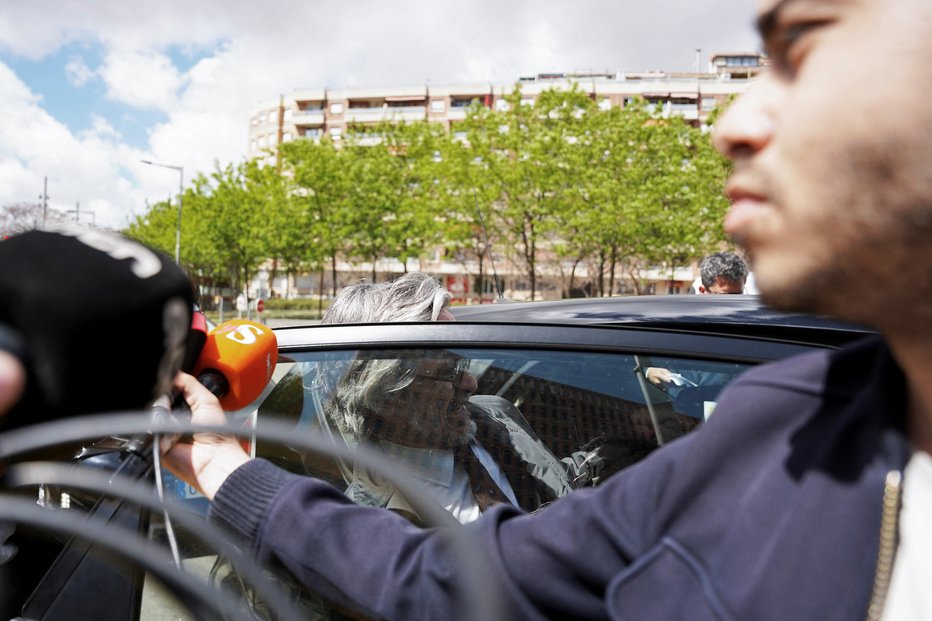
<point x="565" y="186"/>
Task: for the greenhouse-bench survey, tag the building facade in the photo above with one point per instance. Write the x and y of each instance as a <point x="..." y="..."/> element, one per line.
<point x="315" y="112"/>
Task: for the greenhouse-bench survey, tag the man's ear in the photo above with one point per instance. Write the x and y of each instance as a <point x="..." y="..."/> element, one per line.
<point x="702" y="290"/>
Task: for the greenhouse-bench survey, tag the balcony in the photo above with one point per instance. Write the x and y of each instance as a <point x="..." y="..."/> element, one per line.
<point x="308" y="117"/>
<point x="386" y="113"/>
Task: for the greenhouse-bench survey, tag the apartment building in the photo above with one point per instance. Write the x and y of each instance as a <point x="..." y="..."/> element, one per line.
<point x="312" y="113"/>
<point x="315" y="112"/>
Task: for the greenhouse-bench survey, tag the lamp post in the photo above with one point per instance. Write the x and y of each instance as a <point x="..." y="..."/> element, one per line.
<point x="180" y="170"/>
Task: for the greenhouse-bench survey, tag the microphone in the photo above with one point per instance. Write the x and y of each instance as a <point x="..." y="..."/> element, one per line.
<point x="99" y="321"/>
<point x="237" y="362"/>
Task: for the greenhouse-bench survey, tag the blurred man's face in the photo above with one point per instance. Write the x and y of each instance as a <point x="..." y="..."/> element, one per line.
<point x="431" y="411"/>
<point x="832" y="146"/>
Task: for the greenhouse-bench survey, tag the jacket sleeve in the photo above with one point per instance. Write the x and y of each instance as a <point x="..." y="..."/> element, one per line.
<point x="553" y="564"/>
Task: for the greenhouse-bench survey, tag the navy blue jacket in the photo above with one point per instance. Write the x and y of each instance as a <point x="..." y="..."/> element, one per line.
<point x="771" y="510"/>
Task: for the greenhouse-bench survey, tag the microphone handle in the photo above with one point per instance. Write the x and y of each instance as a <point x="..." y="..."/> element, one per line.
<point x="215" y="382"/>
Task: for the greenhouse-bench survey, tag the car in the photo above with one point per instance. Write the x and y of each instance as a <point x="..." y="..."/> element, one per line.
<point x="566" y="383"/>
<point x="574" y="369"/>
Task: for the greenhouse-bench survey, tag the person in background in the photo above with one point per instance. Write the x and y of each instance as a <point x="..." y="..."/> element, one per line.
<point x="721" y="272"/>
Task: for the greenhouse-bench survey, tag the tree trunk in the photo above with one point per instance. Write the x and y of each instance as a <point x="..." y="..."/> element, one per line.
<point x="601" y="273"/>
<point x="481" y="284"/>
<point x="320" y="290"/>
<point x="611" y="274"/>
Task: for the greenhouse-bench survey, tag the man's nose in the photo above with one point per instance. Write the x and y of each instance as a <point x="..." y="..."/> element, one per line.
<point x="747" y="125"/>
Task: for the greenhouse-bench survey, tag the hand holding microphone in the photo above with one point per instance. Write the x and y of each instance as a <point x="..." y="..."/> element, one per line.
<point x="237" y="362"/>
<point x="235" y="365"/>
<point x="206" y="461"/>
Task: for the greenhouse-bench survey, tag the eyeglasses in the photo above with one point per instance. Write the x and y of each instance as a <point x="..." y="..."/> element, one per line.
<point x="452" y="374"/>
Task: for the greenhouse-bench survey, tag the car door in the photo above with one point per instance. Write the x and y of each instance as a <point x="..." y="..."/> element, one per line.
<point x="575" y="401"/>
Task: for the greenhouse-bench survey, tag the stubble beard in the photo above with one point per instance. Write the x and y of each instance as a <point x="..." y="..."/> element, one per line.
<point x="876" y="270"/>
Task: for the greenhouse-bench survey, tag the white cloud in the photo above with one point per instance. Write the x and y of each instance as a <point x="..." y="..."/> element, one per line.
<point x="85" y="169"/>
<point x="142" y="79"/>
<point x="78" y="73"/>
<point x="101" y="128"/>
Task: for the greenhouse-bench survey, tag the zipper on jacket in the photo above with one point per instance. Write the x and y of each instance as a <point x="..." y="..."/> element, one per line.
<point x="889" y="534"/>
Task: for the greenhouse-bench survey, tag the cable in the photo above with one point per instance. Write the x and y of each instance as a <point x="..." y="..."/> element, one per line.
<point x="161" y="409"/>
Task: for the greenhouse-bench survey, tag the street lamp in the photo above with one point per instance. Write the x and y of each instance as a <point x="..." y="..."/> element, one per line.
<point x="180" y="170"/>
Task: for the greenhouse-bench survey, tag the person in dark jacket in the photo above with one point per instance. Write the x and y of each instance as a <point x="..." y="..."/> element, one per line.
<point x="806" y="496"/>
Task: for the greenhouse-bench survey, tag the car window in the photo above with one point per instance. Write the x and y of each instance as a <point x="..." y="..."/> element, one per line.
<point x="548" y="422"/>
<point x="554" y="421"/>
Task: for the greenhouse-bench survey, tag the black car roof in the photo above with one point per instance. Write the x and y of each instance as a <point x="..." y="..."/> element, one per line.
<point x="727" y="314"/>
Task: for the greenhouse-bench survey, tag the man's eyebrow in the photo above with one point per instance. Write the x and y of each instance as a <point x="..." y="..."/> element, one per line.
<point x="767" y="21"/>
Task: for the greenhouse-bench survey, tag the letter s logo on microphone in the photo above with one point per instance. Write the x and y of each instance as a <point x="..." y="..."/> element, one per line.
<point x="245" y="334"/>
<point x="245" y="354"/>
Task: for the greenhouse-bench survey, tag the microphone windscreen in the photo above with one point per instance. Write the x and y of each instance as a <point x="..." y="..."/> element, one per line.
<point x="245" y="353"/>
<point x="102" y="321"/>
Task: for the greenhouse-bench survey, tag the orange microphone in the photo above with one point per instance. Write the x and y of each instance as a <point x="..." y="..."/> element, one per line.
<point x="237" y="362"/>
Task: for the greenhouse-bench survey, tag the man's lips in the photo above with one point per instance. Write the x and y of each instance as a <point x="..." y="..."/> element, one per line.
<point x="746" y="207"/>
<point x="742" y="214"/>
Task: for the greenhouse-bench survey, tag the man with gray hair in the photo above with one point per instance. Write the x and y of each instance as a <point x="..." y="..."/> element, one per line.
<point x="722" y="272"/>
<point x="415" y="296"/>
<point x="417" y="408"/>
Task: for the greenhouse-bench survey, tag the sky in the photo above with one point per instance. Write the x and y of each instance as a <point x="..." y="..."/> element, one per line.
<point x="89" y="89"/>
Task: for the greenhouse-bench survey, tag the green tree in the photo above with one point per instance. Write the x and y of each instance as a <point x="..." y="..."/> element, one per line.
<point x="230" y="228"/>
<point x="321" y="189"/>
<point x="524" y="153"/>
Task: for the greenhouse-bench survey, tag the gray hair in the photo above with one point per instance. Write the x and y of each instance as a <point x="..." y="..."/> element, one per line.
<point x="414" y="296"/>
<point x="725" y="265"/>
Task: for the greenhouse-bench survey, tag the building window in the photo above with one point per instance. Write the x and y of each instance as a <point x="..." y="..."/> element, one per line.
<point x="501" y="105"/>
<point x="437" y="105"/>
<point x="272" y="117"/>
<point x="462" y="102"/>
<point x="286" y="137"/>
<point x="288" y="114"/>
<point x="336" y="108"/>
